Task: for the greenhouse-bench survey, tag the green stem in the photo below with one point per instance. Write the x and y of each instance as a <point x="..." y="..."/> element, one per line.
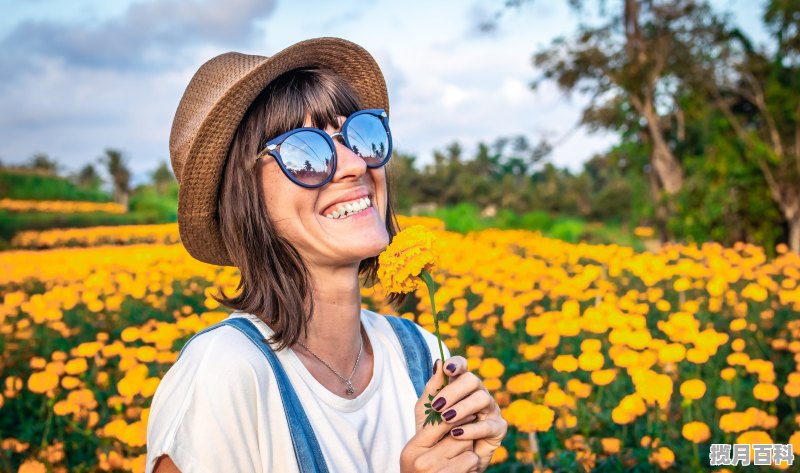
<point x="428" y="279"/>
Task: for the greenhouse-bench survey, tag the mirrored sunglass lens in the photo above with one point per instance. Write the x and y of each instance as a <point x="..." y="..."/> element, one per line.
<point x="368" y="138"/>
<point x="307" y="156"/>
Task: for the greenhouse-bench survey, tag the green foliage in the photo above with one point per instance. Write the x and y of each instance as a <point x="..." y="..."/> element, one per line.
<point x="147" y="200"/>
<point x="29" y="186"/>
<point x="568" y="229"/>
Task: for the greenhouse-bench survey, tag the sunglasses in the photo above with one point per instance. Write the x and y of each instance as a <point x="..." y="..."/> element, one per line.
<point x="308" y="156"/>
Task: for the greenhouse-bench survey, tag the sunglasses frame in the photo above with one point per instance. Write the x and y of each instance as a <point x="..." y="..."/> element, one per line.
<point x="271" y="146"/>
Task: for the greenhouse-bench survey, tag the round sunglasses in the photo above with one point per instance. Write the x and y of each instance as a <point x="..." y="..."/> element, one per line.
<point x="308" y="156"/>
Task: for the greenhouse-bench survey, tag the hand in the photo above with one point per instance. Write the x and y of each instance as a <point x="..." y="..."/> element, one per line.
<point x="467" y="397"/>
<point x="431" y="449"/>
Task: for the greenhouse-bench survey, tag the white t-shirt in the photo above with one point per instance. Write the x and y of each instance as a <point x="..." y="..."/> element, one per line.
<point x="218" y="408"/>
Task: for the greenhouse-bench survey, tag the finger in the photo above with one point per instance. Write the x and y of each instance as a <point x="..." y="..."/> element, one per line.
<point x="458" y="389"/>
<point x="429" y="434"/>
<point x="477" y="402"/>
<point x="455" y="365"/>
<point x="490" y="428"/>
<point x="466" y="461"/>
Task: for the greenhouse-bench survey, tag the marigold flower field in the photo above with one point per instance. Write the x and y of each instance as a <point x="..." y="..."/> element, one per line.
<point x="601" y="358"/>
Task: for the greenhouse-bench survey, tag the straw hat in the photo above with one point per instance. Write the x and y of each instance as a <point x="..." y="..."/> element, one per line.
<point x="212" y="107"/>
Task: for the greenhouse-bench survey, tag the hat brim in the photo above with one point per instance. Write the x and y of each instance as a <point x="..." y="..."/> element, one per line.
<point x="198" y="194"/>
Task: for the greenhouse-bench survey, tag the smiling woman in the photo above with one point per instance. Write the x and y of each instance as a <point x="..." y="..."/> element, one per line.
<point x="282" y="169"/>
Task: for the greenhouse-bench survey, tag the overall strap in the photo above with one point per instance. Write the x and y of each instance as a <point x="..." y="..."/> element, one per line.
<point x="306" y="448"/>
<point x="415" y="349"/>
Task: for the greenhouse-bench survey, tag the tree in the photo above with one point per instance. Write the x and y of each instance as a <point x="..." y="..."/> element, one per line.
<point x="44" y="163"/>
<point x="88" y="177"/>
<point x="631" y="66"/>
<point x="757" y="92"/>
<point x="117" y="168"/>
<point x="162" y="177"/>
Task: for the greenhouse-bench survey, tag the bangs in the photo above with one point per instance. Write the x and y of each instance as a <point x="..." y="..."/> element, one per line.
<point x="308" y="91"/>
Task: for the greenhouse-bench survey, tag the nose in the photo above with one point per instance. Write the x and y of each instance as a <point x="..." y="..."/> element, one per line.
<point x="349" y="165"/>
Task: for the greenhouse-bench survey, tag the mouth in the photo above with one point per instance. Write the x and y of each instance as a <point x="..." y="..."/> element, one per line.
<point x="345" y="210"/>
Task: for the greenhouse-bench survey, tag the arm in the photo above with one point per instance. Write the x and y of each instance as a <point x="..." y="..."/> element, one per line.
<point x="164" y="465"/>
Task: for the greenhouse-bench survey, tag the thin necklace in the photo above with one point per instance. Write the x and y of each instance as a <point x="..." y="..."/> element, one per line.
<point x="348" y="381"/>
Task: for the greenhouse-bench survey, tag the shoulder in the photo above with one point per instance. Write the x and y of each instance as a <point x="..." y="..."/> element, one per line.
<point x="214" y="364"/>
<point x="382" y="323"/>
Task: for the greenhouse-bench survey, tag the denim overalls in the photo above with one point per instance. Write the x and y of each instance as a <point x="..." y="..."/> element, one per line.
<point x="306" y="448"/>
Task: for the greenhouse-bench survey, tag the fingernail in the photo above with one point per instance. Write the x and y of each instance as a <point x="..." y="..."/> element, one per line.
<point x="439" y="403"/>
<point x="435" y="364"/>
<point x="458" y="431"/>
<point x="449" y="414"/>
<point x="451" y="367"/>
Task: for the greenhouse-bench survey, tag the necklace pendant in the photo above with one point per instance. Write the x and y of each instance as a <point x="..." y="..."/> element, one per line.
<point x="350" y="389"/>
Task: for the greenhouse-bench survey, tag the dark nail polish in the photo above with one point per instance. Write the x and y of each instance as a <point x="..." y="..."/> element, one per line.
<point x="439" y="403"/>
<point x="449" y="414"/>
<point x="451" y="367"/>
<point x="435" y="364"/>
<point x="458" y="431"/>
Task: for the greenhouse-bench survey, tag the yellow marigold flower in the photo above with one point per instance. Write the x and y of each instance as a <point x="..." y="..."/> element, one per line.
<point x="604" y="377"/>
<point x="76" y="366"/>
<point x="555" y="396"/>
<point x="734" y="422"/>
<point x="579" y="389"/>
<point x="529" y="417"/>
<point x="591" y="344"/>
<point x="663" y="457"/>
<point x="693" y="389"/>
<point x="611" y="445"/>
<point x="644" y="232"/>
<point x="737" y="325"/>
<point x="590" y="361"/>
<point x="682" y="285"/>
<point x="754" y="437"/>
<point x="717" y="286"/>
<point x="32" y="466"/>
<point x="671" y="353"/>
<point x="725" y="403"/>
<point x="475" y="351"/>
<point x="62" y="408"/>
<point x="42" y="381"/>
<point x="795" y="441"/>
<point x="566" y="421"/>
<point x="499" y="456"/>
<point x="696" y="432"/>
<point x="524" y="383"/>
<point x="728" y="374"/>
<point x="565" y="363"/>
<point x="37" y="362"/>
<point x="765" y="392"/>
<point x="491" y="368"/>
<point x="410" y="251"/>
<point x="755" y="292"/>
<point x="621" y="416"/>
<point x="70" y="382"/>
<point x="697" y="356"/>
<point x="88" y="349"/>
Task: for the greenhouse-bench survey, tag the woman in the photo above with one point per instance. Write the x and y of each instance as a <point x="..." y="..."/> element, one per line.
<point x="282" y="169"/>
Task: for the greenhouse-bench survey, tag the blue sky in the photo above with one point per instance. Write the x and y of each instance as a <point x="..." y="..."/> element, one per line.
<point x="79" y="76"/>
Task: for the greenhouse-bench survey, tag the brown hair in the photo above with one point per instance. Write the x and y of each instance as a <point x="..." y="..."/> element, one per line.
<point x="275" y="283"/>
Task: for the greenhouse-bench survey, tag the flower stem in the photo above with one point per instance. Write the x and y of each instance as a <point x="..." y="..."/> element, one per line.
<point x="428" y="279"/>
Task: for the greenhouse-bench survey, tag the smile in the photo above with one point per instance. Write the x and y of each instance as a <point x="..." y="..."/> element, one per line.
<point x="346" y="209"/>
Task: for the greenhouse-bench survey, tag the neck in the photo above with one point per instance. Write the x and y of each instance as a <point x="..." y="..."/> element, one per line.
<point x="334" y="330"/>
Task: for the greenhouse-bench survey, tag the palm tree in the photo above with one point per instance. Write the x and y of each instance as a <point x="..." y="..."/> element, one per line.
<point x="117" y="167"/>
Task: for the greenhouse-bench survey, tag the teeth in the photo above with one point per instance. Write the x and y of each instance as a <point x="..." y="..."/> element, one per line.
<point x="345" y="210"/>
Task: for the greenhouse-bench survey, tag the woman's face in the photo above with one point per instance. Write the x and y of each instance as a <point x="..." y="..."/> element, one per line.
<point x="299" y="213"/>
